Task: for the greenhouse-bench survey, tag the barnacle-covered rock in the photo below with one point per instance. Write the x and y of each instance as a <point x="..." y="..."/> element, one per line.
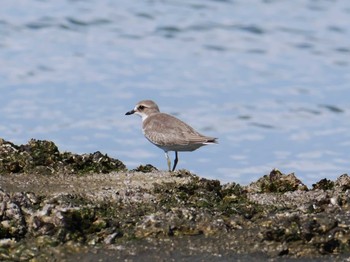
<point x="12" y="222"/>
<point x="343" y="182"/>
<point x="62" y="212"/>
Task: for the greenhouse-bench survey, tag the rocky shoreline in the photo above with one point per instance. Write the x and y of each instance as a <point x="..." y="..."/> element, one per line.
<point x="61" y="206"/>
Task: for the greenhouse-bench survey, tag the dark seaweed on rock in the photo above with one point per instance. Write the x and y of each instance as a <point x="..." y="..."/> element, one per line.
<point x="43" y="157"/>
<point x="276" y="182"/>
<point x="323" y="184"/>
<point x="145" y="168"/>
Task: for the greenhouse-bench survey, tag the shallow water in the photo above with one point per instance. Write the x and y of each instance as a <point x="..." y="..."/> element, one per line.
<point x="269" y="78"/>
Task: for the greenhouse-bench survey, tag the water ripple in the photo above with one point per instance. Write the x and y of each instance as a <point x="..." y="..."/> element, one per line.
<point x="332" y="108"/>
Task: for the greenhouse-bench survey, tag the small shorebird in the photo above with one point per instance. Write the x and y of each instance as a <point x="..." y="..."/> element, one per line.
<point x="167" y="132"/>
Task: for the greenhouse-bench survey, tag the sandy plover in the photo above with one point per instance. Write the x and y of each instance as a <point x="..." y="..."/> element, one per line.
<point x="167" y="132"/>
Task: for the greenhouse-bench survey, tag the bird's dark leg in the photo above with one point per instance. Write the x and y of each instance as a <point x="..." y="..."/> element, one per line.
<point x="175" y="161"/>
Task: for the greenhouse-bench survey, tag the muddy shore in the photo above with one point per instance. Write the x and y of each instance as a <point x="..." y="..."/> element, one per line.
<point x="62" y="206"/>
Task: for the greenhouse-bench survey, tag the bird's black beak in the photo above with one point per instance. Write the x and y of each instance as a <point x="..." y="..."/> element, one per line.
<point x="130" y="112"/>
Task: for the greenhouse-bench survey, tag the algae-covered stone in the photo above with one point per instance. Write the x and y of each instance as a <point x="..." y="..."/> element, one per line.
<point x="324" y="184"/>
<point x="277" y="182"/>
<point x="145" y="169"/>
<point x="43" y="157"/>
<point x="90" y="163"/>
<point x="42" y="153"/>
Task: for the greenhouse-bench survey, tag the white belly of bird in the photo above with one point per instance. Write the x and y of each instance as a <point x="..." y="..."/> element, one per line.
<point x="179" y="148"/>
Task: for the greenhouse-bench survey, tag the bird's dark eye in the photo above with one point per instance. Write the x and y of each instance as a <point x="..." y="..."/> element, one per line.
<point x="141" y="107"/>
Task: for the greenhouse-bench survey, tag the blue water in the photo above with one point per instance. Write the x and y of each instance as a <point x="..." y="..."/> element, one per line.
<point x="269" y="78"/>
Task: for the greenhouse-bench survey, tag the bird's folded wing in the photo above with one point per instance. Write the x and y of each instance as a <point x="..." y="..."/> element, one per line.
<point x="168" y="130"/>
